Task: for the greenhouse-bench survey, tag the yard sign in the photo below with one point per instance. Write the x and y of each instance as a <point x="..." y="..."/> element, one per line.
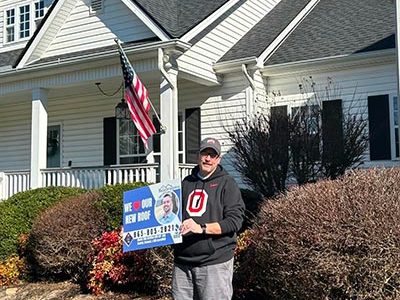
<point x="145" y="224"/>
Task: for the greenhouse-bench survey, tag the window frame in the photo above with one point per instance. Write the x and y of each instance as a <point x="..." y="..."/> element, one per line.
<point x="27" y="22"/>
<point x="12" y="25"/>
<point x="143" y="154"/>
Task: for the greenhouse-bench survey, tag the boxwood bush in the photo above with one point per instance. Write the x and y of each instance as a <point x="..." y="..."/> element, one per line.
<point x="111" y="202"/>
<point x="19" y="211"/>
<point x="60" y="240"/>
<point x="329" y="240"/>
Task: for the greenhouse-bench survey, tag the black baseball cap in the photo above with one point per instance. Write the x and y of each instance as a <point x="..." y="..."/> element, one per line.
<point x="211" y="143"/>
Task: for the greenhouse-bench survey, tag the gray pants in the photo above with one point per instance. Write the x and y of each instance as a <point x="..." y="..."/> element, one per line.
<point x="203" y="283"/>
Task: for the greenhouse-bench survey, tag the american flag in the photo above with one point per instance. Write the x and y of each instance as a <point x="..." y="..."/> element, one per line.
<point x="137" y="97"/>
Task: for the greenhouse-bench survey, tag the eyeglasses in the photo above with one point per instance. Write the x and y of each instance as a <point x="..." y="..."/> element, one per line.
<point x="211" y="154"/>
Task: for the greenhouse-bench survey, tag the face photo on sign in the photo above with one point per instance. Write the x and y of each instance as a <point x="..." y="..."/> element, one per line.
<point x="166" y="208"/>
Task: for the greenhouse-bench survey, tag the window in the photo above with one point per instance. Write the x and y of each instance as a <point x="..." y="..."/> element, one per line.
<point x="24" y="21"/>
<point x="39" y="9"/>
<point x="307" y="117"/>
<point x="39" y="12"/>
<point x="131" y="147"/>
<point x="53" y="146"/>
<point x="157" y="139"/>
<point x="10" y="25"/>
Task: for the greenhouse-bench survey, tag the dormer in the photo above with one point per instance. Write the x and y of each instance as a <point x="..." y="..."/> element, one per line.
<point x="21" y="19"/>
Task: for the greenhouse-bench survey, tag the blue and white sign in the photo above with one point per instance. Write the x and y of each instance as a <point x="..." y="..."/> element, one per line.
<point x="152" y="216"/>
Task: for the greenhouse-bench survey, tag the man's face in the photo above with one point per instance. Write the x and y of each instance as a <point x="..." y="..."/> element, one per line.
<point x="208" y="161"/>
<point x="167" y="204"/>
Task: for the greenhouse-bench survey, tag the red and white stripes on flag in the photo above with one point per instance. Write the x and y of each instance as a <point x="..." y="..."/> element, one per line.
<point x="137" y="98"/>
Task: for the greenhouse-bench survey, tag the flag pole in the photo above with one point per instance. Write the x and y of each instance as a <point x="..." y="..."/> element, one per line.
<point x="163" y="128"/>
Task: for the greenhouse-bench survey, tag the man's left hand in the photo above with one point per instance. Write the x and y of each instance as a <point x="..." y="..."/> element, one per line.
<point x="189" y="225"/>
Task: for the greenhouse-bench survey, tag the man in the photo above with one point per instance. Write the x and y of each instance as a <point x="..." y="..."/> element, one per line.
<point x="168" y="215"/>
<point x="212" y="214"/>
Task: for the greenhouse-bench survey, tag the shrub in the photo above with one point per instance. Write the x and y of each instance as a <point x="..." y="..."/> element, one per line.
<point x="12" y="270"/>
<point x="111" y="202"/>
<point x="59" y="243"/>
<point x="145" y="271"/>
<point x="18" y="212"/>
<point x="330" y="240"/>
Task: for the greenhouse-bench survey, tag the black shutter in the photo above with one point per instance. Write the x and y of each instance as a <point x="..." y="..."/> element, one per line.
<point x="332" y="132"/>
<point x="379" y="127"/>
<point x="280" y="126"/>
<point x="109" y="141"/>
<point x="192" y="134"/>
<point x="280" y="143"/>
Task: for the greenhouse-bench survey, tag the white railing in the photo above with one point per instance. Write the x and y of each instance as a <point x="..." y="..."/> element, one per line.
<point x="185" y="170"/>
<point x="95" y="177"/>
<point x="12" y="182"/>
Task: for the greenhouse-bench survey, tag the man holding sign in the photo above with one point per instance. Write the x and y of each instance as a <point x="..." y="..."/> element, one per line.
<point x="212" y="214"/>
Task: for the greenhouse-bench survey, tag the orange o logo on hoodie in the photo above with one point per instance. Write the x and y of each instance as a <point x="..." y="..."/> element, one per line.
<point x="197" y="203"/>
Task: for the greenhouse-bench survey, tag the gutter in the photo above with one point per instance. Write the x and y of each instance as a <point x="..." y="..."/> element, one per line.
<point x="364" y="59"/>
<point x="95" y="57"/>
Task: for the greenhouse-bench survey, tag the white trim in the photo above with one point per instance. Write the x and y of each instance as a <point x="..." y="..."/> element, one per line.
<point x="147" y="21"/>
<point x="285" y="33"/>
<point x="331" y="63"/>
<point x="39" y="35"/>
<point x="208" y="21"/>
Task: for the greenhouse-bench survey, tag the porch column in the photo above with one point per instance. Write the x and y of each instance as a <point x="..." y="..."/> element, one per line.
<point x="38" y="136"/>
<point x="169" y="162"/>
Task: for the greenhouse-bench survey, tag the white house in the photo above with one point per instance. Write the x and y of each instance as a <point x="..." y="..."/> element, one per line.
<point x="207" y="64"/>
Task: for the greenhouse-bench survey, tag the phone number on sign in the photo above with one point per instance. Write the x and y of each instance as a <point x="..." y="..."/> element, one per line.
<point x="149" y="232"/>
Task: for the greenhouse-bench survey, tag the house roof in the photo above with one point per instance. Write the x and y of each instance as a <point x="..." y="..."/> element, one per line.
<point x="265" y="31"/>
<point x="9" y="58"/>
<point x="340" y="27"/>
<point x="177" y="17"/>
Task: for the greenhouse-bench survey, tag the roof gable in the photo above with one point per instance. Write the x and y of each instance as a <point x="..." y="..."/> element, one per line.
<point x="177" y="17"/>
<point x="340" y="27"/>
<point x="266" y="31"/>
<point x="71" y="27"/>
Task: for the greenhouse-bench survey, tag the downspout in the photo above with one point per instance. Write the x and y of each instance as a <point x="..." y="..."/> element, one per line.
<point x="250" y="98"/>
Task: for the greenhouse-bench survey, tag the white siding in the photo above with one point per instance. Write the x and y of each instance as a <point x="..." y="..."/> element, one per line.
<point x="15" y="136"/>
<point x="83" y="31"/>
<point x="352" y="86"/>
<point x="200" y="58"/>
<point x="221" y="108"/>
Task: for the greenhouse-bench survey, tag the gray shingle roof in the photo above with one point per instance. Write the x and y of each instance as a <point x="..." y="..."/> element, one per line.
<point x="265" y="31"/>
<point x="340" y="27"/>
<point x="9" y="58"/>
<point x="177" y="17"/>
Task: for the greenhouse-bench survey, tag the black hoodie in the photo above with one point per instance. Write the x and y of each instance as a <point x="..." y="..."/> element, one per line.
<point x="215" y="199"/>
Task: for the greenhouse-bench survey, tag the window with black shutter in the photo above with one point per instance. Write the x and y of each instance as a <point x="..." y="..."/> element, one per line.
<point x="379" y="127"/>
<point x="192" y="134"/>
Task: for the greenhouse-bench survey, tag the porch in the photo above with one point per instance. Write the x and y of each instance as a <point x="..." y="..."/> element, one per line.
<point x="12" y="182"/>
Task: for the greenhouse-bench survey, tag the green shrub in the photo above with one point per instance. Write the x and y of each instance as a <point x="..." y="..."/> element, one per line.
<point x="329" y="240"/>
<point x="19" y="211"/>
<point x="111" y="202"/>
<point x="59" y="242"/>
